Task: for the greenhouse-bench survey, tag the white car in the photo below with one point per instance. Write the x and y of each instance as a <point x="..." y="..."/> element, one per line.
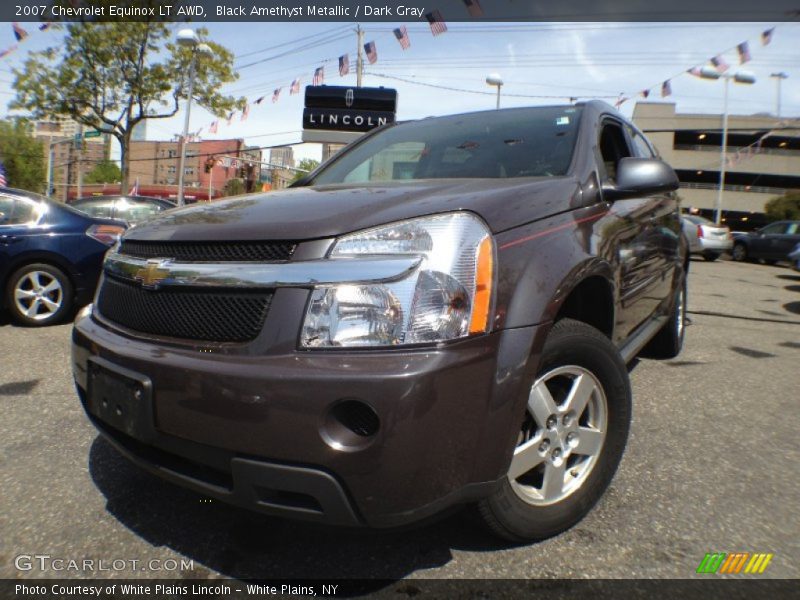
<point x="705" y="237"/>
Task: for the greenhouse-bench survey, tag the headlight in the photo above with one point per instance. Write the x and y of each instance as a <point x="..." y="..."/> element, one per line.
<point x="447" y="297"/>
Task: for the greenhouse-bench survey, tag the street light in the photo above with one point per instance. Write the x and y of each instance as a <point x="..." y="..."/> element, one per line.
<point x="738" y="77"/>
<point x="496" y="80"/>
<point x="188" y="38"/>
<point x="778" y="78"/>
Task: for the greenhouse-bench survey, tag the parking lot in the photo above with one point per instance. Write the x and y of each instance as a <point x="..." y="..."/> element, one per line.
<point x="713" y="464"/>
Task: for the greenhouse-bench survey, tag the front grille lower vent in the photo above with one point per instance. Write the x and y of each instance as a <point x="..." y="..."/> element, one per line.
<point x="208" y="315"/>
<point x="210" y="251"/>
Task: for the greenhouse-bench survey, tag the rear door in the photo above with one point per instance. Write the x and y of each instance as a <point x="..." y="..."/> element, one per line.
<point x="18" y="218"/>
<point x="765" y="244"/>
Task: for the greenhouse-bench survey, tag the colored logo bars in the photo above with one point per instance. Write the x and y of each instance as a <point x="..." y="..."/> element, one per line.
<point x="734" y="563"/>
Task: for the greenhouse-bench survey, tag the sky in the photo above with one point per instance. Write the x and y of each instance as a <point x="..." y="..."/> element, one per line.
<point x="539" y="64"/>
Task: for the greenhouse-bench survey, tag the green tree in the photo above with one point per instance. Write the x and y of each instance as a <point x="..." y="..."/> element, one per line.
<point x="307" y="165"/>
<point x="106" y="171"/>
<point x="233" y="187"/>
<point x="111" y="76"/>
<point x="784" y="207"/>
<point x="22" y="156"/>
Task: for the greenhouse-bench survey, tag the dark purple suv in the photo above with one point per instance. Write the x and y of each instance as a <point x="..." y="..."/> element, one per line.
<point x="441" y="314"/>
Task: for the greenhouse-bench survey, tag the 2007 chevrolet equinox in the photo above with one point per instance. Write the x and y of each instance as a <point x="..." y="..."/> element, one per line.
<point x="441" y="314"/>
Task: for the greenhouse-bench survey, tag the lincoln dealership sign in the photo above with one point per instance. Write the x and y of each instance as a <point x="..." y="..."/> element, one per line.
<point x="340" y="108"/>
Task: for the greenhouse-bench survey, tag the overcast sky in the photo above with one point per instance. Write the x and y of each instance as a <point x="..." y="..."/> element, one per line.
<point x="535" y="61"/>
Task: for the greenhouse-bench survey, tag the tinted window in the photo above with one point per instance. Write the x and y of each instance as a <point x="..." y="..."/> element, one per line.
<point x="793" y="228"/>
<point x="613" y="147"/>
<point x="774" y="228"/>
<point x="136" y="211"/>
<point x="15" y="211"/>
<point x="513" y="143"/>
<point x="97" y="208"/>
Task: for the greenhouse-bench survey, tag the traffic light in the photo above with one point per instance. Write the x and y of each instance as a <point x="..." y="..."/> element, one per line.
<point x="209" y="164"/>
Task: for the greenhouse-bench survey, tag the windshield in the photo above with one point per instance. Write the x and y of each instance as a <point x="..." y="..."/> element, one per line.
<point x="528" y="142"/>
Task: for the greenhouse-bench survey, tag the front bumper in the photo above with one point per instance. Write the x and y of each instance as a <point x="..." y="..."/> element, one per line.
<point x="255" y="429"/>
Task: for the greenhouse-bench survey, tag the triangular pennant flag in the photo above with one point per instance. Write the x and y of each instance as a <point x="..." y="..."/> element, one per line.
<point x="259" y="101"/>
<point x="766" y="36"/>
<point x="666" y="89"/>
<point x="744" y="52"/>
<point x="44" y="26"/>
<point x="245" y="112"/>
<point x="696" y="71"/>
<point x="19" y="32"/>
<point x="275" y="95"/>
<point x="213" y="127"/>
<point x="645" y="93"/>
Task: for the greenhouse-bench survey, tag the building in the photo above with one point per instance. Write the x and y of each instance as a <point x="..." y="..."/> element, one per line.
<point x="71" y="160"/>
<point x="762" y="154"/>
<point x="281" y="156"/>
<point x="209" y="165"/>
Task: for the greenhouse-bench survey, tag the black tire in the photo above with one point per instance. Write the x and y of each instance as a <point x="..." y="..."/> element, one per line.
<point x="711" y="256"/>
<point x="570" y="343"/>
<point x="739" y="252"/>
<point x="51" y="307"/>
<point x="668" y="342"/>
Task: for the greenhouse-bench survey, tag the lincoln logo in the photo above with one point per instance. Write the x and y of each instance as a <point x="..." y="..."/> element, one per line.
<point x="348" y="98"/>
<point x="152" y="274"/>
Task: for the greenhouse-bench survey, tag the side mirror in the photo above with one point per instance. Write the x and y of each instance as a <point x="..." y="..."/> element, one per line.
<point x="640" y="177"/>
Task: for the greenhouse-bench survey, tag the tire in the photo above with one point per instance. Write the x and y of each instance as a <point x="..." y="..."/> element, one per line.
<point x="739" y="252"/>
<point x="711" y="256"/>
<point x="668" y="342"/>
<point x="770" y="262"/>
<point x="525" y="507"/>
<point x="39" y="294"/>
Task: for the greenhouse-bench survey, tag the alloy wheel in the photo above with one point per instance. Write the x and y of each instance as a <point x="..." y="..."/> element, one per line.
<point x="562" y="435"/>
<point x="38" y="295"/>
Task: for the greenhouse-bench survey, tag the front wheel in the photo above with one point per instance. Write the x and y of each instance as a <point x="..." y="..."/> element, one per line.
<point x="571" y="438"/>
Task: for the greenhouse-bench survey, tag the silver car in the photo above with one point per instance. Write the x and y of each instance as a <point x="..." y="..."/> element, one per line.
<point x="705" y="237"/>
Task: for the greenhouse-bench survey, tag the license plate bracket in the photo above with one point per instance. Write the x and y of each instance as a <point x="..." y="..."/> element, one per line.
<point x="120" y="398"/>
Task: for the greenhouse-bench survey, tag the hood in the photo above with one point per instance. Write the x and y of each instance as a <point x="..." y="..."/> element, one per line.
<point x="328" y="211"/>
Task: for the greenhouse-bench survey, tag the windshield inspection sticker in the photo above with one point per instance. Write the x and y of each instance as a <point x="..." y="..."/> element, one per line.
<point x="562" y="121"/>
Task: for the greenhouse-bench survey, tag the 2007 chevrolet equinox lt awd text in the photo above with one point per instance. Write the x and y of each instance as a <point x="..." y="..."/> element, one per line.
<point x="441" y="314"/>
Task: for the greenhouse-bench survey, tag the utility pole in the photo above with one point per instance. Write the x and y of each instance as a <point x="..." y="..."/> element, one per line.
<point x="360" y="59"/>
<point x="723" y="158"/>
<point x="79" y="191"/>
<point x="779" y="77"/>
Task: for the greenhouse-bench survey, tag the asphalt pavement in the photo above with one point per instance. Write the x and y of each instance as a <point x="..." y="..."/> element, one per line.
<point x="713" y="464"/>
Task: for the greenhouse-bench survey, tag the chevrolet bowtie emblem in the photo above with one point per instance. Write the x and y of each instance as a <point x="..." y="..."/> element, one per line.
<point x="152" y="274"/>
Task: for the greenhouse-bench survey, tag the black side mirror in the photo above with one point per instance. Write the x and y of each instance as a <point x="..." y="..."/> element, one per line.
<point x="640" y="177"/>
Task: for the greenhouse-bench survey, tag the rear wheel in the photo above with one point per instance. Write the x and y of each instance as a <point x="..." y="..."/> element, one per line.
<point x="571" y="438"/>
<point x="39" y="294"/>
<point x="739" y="252"/>
<point x="668" y="342"/>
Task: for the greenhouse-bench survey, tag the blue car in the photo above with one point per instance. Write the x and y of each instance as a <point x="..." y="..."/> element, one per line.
<point x="50" y="256"/>
<point x="794" y="257"/>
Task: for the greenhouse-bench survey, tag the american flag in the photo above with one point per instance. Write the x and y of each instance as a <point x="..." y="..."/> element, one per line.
<point x="276" y="94"/>
<point x="3" y="182"/>
<point x="696" y="71"/>
<point x="295" y="89"/>
<point x="401" y="33"/>
<point x="766" y="36"/>
<point x="720" y="64"/>
<point x="372" y="52"/>
<point x="19" y="32"/>
<point x="474" y="8"/>
<point x="620" y="101"/>
<point x="344" y="65"/>
<point x="645" y="93"/>
<point x="7" y="51"/>
<point x="260" y="100"/>
<point x="230" y="116"/>
<point x="436" y="21"/>
<point x="134" y="191"/>
<point x="245" y="112"/>
<point x="44" y="26"/>
<point x="213" y="127"/>
<point x="319" y="76"/>
<point x="666" y="89"/>
<point x="744" y="52"/>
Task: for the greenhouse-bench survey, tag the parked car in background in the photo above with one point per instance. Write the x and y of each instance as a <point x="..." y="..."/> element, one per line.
<point x="50" y="256"/>
<point x="705" y="237"/>
<point x="440" y="314"/>
<point x="128" y="208"/>
<point x="794" y="257"/>
<point x="771" y="243"/>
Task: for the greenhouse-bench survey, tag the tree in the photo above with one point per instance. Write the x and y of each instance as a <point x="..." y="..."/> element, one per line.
<point x="784" y="207"/>
<point x="233" y="187"/>
<point x="308" y="165"/>
<point x="106" y="171"/>
<point x="22" y="156"/>
<point x="111" y="76"/>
